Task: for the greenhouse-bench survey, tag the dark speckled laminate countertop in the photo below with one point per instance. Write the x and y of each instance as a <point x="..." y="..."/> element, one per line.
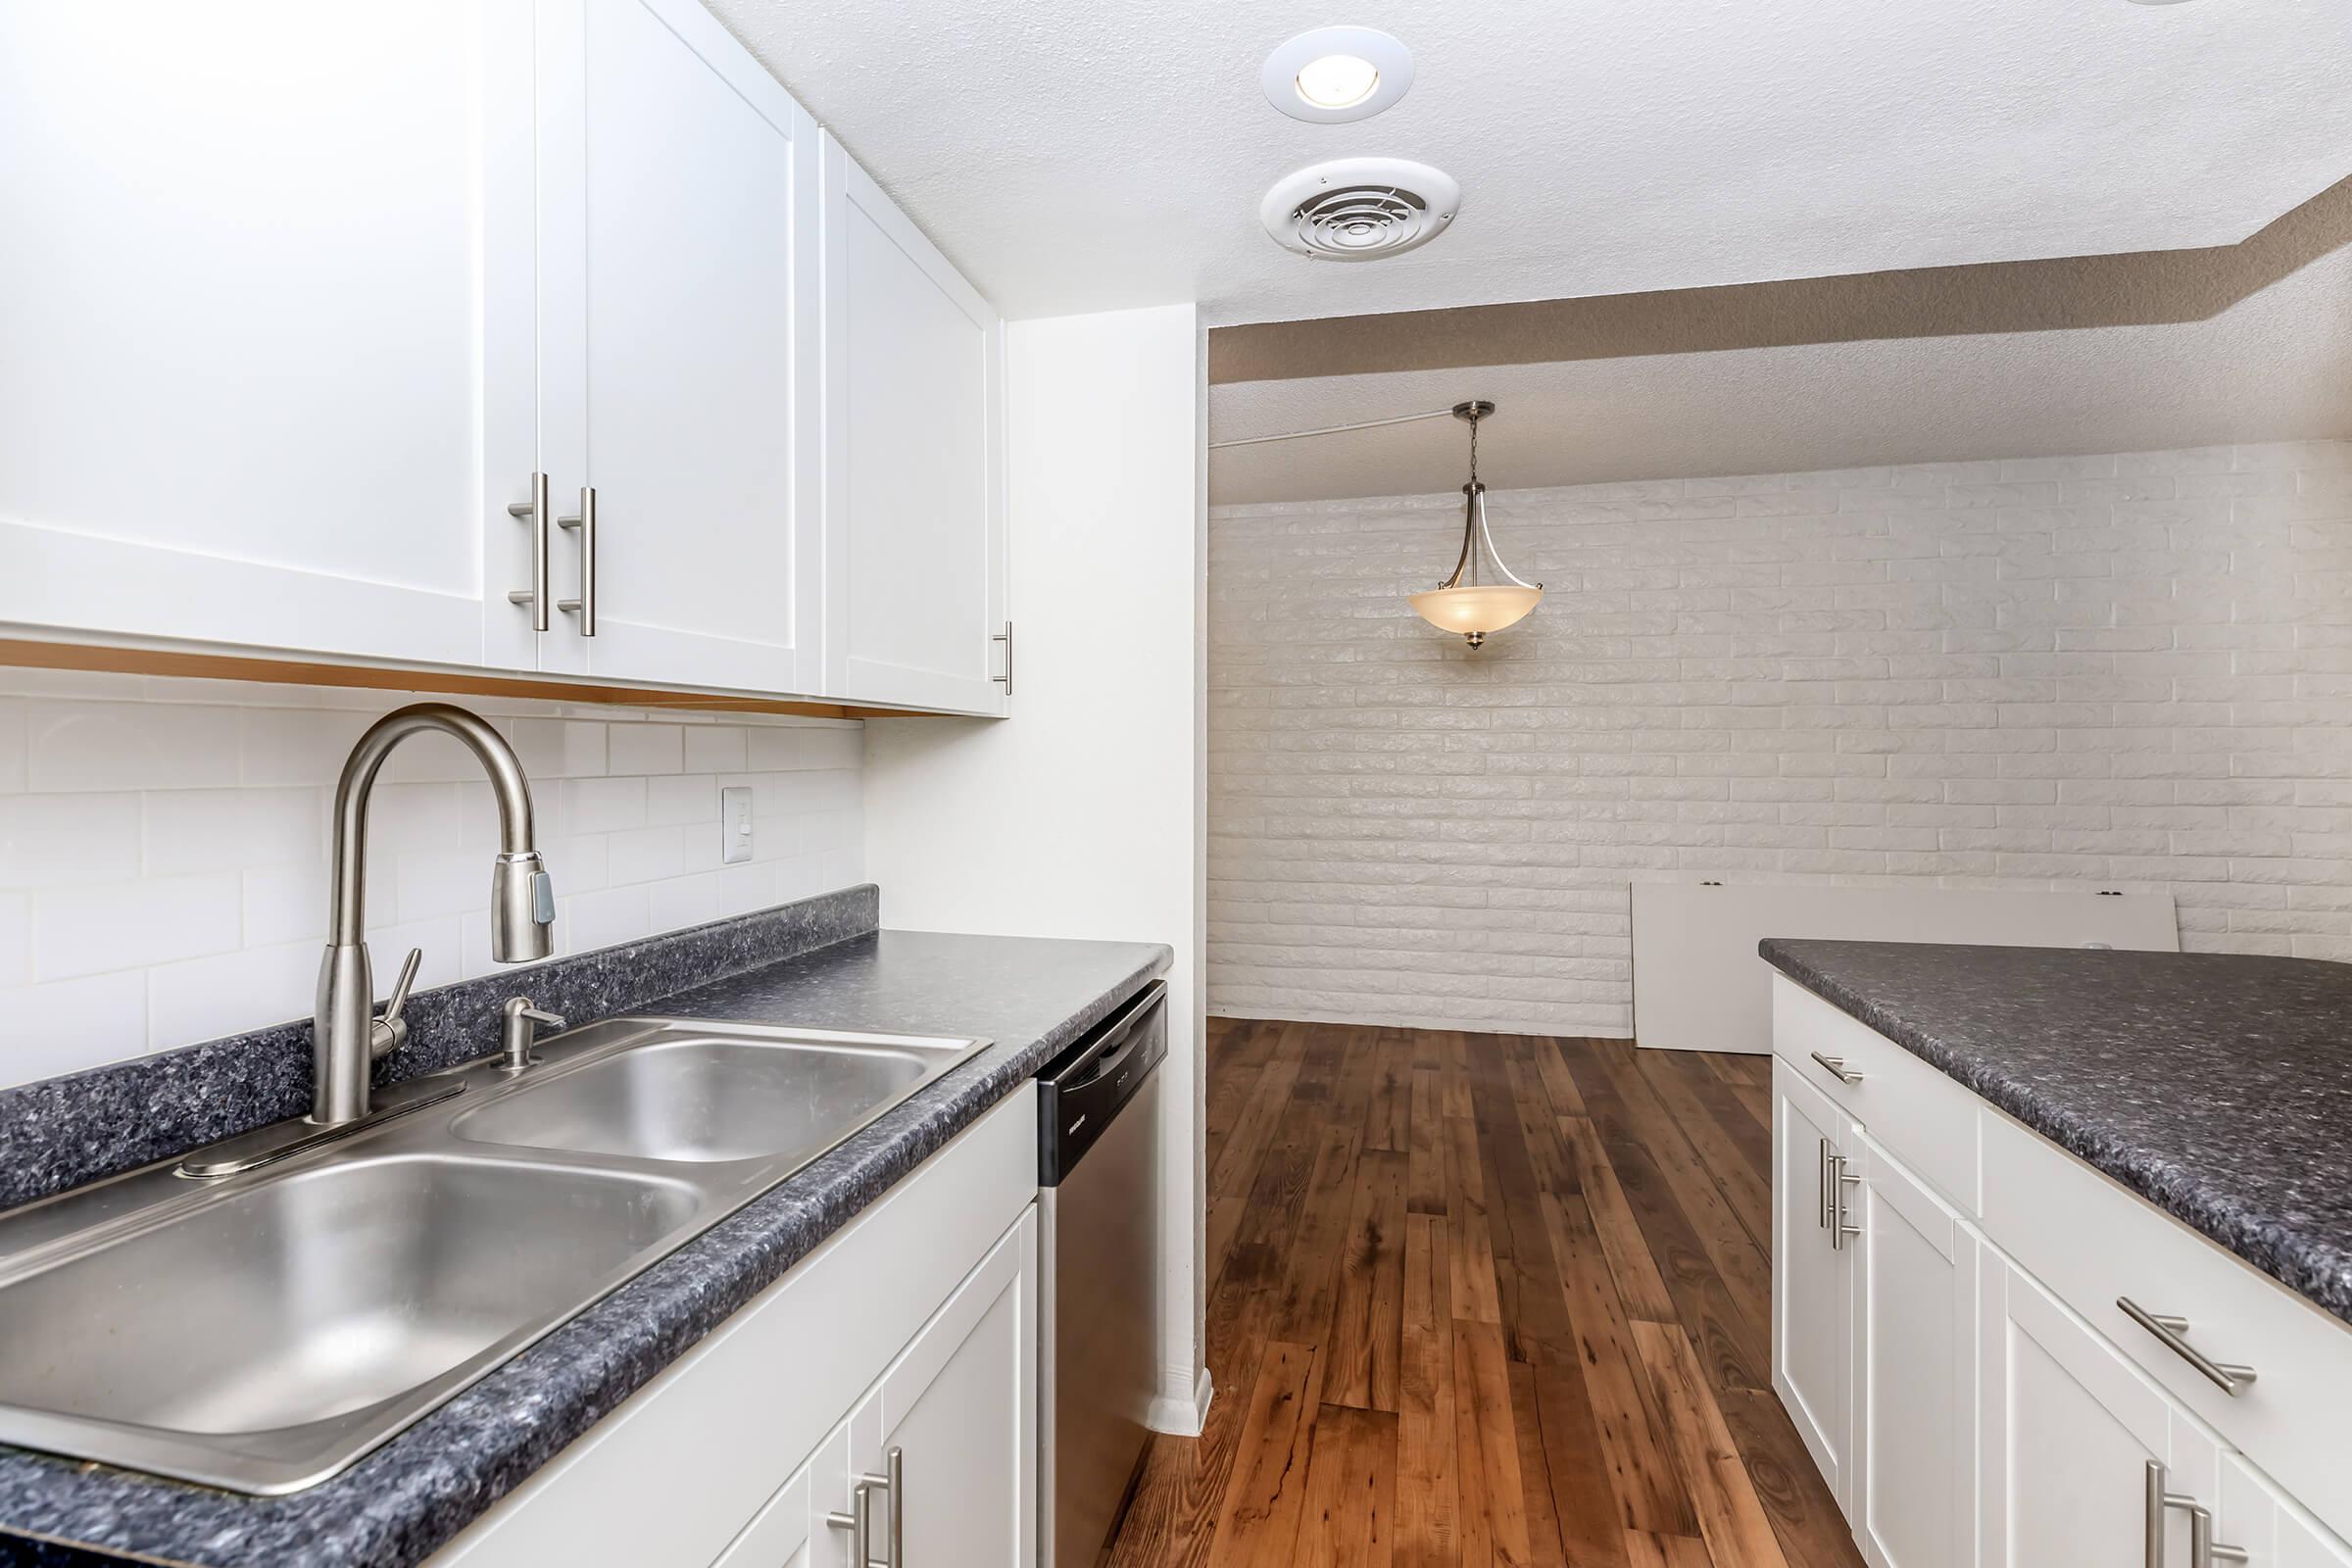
<point x="395" y="1507"/>
<point x="2217" y="1087"/>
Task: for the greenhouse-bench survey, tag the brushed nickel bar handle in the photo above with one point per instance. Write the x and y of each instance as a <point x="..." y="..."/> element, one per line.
<point x="1840" y="1230"/>
<point x="1005" y="637"/>
<point x="893" y="1554"/>
<point x="535" y="511"/>
<point x="1821" y="1186"/>
<point x="2172" y="1331"/>
<point x="583" y="607"/>
<point x="859" y="1523"/>
<point x="2203" y="1550"/>
<point x="1837" y="1065"/>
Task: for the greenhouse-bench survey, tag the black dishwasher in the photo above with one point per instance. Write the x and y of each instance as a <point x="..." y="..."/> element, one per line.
<point x="1099" y="1159"/>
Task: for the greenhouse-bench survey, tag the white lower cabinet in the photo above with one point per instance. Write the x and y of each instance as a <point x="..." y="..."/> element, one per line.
<point x="1813" y="1274"/>
<point x="1911" y="1493"/>
<point x="2070" y="1430"/>
<point x="2273" y="1530"/>
<point x="787" y="1532"/>
<point x="1960" y="1368"/>
<point x="954" y="1422"/>
<point x="913" y="1329"/>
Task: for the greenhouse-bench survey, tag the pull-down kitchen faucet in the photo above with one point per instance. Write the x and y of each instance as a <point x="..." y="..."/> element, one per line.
<point x="348" y="1037"/>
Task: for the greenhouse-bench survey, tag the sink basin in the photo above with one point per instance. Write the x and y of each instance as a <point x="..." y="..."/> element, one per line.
<point x="309" y="1298"/>
<point x="703" y="1098"/>
<point x="262" y="1329"/>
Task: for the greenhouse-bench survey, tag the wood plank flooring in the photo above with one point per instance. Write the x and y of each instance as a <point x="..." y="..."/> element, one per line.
<point x="1484" y="1299"/>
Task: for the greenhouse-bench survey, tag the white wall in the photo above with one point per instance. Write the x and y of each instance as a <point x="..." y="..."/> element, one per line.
<point x="2134" y="671"/>
<point x="1081" y="814"/>
<point x="163" y="845"/>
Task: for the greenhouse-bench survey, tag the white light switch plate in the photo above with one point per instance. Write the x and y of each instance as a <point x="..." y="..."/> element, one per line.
<point x="735" y="825"/>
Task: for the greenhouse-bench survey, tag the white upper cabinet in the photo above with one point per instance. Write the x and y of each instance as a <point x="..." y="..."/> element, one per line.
<point x="914" y="483"/>
<point x="678" y="266"/>
<point x="264" y="273"/>
<point x="302" y="303"/>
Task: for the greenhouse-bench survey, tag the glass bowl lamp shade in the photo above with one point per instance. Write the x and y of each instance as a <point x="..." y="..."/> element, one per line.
<point x="1475" y="610"/>
<point x="1472" y="602"/>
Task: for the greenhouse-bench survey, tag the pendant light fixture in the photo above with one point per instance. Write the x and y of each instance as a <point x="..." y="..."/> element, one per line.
<point x="1463" y="603"/>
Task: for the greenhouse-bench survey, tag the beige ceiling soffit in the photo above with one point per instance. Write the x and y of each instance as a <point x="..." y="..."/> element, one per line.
<point x="2138" y="289"/>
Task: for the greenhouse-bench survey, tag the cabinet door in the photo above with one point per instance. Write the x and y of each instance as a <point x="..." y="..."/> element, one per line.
<point x="2068" y="1429"/>
<point x="265" y="290"/>
<point x="914" y="484"/>
<point x="959" y="1410"/>
<point x="783" y="1534"/>
<point x="678" y="277"/>
<point x="2272" y="1529"/>
<point x="1812" y="1279"/>
<point x="1915" y="1372"/>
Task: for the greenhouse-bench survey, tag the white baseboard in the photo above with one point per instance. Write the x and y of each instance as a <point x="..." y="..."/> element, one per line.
<point x="1180" y="1414"/>
<point x="1379" y="1019"/>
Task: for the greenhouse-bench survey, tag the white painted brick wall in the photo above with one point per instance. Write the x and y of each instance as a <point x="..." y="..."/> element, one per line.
<point x="2133" y="671"/>
<point x="163" y="845"/>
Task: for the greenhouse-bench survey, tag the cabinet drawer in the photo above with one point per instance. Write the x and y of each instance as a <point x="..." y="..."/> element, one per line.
<point x="2048" y="1209"/>
<point x="1925" y="1119"/>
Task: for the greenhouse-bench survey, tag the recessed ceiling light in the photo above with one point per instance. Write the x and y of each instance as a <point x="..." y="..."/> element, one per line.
<point x="1335" y="74"/>
<point x="1338" y="81"/>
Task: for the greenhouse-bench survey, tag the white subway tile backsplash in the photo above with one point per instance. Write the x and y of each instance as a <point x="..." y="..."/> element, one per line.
<point x="125" y="746"/>
<point x="304" y="746"/>
<point x="203" y="998"/>
<point x="586" y="920"/>
<point x="685" y="798"/>
<point x="604" y="804"/>
<point x="2127" y="669"/>
<point x="683" y="901"/>
<point x="15" y="940"/>
<point x="791" y="746"/>
<point x="82" y="930"/>
<point x="56" y="840"/>
<point x="652" y="853"/>
<point x="560" y="748"/>
<point x="66" y="1025"/>
<point x="163" y="845"/>
<point x="644" y="749"/>
<point x="227" y="830"/>
<point x="11" y="744"/>
<point x="716" y="749"/>
<point x="289" y="903"/>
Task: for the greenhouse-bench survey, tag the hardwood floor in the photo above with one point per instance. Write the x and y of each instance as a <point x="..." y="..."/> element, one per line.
<point x="1484" y="1299"/>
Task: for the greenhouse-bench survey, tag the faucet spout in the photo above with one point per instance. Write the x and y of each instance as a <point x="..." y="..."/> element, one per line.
<point x="347" y="1036"/>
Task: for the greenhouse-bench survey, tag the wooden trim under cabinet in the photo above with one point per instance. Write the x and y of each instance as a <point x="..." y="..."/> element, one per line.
<point x="288" y="671"/>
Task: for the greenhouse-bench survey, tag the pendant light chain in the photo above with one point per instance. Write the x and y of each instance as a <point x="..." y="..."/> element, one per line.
<point x="1476" y="500"/>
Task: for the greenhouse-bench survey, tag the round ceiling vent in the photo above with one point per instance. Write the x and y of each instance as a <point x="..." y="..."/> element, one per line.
<point x="1360" y="209"/>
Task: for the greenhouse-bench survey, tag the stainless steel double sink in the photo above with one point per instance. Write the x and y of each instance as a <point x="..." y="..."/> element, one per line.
<point x="263" y="1331"/>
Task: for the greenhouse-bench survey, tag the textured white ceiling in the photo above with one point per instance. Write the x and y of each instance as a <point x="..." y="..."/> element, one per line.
<point x="2276" y="364"/>
<point x="1076" y="155"/>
